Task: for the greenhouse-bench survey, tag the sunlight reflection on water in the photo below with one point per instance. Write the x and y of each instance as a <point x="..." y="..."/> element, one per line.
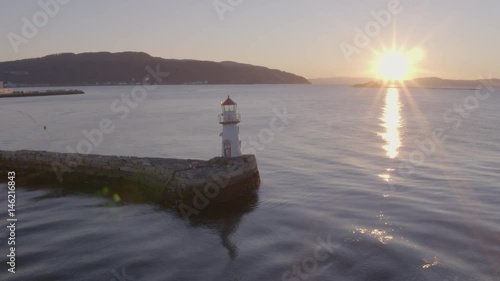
<point x="391" y="119"/>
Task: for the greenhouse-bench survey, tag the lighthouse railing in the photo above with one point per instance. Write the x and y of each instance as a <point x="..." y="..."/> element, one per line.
<point x="230" y="118"/>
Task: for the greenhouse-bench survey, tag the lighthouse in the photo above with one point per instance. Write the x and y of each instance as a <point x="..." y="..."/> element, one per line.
<point x="229" y="118"/>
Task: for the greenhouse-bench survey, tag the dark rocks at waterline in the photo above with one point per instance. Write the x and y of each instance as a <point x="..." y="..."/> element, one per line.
<point x="170" y="182"/>
<point x="18" y="94"/>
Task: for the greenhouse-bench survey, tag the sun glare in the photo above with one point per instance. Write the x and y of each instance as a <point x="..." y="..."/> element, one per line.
<point x="393" y="66"/>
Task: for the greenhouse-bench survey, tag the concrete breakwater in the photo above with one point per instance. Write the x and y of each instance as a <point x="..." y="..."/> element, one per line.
<point x="157" y="180"/>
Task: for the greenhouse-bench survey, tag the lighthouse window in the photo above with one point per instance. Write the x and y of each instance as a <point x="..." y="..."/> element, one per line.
<point x="229" y="108"/>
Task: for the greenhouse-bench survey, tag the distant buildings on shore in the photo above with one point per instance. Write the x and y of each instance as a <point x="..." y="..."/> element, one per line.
<point x="4" y="90"/>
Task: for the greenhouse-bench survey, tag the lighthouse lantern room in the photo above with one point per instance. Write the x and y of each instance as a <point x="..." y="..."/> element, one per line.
<point x="231" y="144"/>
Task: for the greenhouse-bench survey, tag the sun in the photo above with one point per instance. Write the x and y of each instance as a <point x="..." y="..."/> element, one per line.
<point x="393" y="66"/>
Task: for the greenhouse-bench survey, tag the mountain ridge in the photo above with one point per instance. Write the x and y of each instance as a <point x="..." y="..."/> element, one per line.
<point x="421" y="82"/>
<point x="104" y="68"/>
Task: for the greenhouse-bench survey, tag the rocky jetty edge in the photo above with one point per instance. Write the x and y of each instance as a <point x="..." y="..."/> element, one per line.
<point x="142" y="179"/>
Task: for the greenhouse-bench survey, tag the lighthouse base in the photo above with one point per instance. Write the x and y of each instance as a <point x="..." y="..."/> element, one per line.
<point x="194" y="183"/>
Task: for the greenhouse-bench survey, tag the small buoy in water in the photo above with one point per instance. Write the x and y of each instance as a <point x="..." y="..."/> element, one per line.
<point x="45" y="127"/>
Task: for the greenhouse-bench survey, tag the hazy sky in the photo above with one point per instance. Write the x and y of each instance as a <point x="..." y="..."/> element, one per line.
<point x="458" y="38"/>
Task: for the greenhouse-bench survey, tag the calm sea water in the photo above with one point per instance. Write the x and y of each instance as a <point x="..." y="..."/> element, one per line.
<point x="354" y="187"/>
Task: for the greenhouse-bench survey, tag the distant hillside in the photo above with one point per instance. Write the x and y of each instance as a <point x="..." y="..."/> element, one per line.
<point x="130" y="67"/>
<point x="371" y="84"/>
<point x="340" y="80"/>
<point x="434" y="82"/>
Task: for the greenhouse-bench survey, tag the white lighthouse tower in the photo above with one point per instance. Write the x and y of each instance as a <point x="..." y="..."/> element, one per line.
<point x="231" y="144"/>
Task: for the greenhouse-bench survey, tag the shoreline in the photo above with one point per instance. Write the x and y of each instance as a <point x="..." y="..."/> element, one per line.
<point x="140" y="84"/>
<point x="19" y="94"/>
<point x="425" y="88"/>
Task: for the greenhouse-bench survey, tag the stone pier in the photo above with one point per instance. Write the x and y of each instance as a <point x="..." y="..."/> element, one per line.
<point x="157" y="180"/>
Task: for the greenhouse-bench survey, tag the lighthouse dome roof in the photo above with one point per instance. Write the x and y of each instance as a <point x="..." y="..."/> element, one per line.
<point x="228" y="101"/>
